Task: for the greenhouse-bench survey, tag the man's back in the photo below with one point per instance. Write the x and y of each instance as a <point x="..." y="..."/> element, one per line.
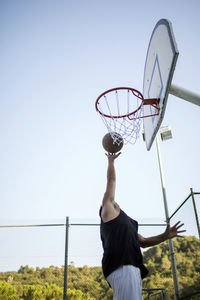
<point x="121" y="245"/>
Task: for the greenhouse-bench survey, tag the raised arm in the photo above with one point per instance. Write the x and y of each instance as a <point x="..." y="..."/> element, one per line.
<point x="169" y="233"/>
<point x="110" y="209"/>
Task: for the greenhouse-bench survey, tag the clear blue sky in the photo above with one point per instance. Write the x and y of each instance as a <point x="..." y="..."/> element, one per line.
<point x="56" y="57"/>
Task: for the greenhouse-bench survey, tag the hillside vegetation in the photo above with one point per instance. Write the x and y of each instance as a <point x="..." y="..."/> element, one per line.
<point x="88" y="282"/>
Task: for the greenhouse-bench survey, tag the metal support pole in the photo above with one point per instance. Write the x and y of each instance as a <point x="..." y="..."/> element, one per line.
<point x="184" y="94"/>
<point x="66" y="259"/>
<point x="195" y="212"/>
<point x="171" y="246"/>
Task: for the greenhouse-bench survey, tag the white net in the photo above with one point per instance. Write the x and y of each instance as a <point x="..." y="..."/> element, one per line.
<point x="116" y="108"/>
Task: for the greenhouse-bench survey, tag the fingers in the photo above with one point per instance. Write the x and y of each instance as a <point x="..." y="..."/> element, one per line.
<point x="177" y="223"/>
<point x="180" y="227"/>
<point x="177" y="226"/>
<point x="174" y="230"/>
<point x="181" y="231"/>
<point x="112" y="155"/>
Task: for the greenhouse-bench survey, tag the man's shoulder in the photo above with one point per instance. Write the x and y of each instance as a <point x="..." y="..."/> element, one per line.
<point x="108" y="213"/>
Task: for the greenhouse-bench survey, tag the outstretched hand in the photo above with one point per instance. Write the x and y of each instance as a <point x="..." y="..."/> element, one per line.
<point x="112" y="156"/>
<point x="174" y="231"/>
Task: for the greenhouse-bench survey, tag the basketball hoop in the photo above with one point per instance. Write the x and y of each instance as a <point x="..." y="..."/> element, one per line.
<point x="121" y="109"/>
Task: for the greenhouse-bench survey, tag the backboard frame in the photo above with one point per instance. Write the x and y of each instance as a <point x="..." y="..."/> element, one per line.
<point x="162" y="55"/>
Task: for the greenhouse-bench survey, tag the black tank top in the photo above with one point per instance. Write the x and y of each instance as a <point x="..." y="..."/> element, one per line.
<point x="121" y="245"/>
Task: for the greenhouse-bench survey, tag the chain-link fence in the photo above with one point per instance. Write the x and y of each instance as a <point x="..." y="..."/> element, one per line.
<point x="189" y="213"/>
<point x="44" y="244"/>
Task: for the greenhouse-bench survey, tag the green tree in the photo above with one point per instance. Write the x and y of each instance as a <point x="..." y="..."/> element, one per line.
<point x="187" y="253"/>
<point x="7" y="291"/>
<point x="33" y="292"/>
<point x="73" y="294"/>
<point x="89" y="283"/>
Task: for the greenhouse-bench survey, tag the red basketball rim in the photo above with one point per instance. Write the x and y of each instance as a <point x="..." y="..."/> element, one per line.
<point x="135" y="92"/>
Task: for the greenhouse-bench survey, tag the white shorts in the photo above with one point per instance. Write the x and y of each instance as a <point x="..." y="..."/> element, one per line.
<point x="126" y="283"/>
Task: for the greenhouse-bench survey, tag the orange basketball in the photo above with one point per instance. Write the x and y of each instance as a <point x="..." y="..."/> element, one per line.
<point x="113" y="144"/>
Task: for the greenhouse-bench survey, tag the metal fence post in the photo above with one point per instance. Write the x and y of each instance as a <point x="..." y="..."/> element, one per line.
<point x="170" y="242"/>
<point x="195" y="211"/>
<point x="66" y="259"/>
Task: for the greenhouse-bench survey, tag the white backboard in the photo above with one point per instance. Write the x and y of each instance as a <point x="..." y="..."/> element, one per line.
<point x="160" y="63"/>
